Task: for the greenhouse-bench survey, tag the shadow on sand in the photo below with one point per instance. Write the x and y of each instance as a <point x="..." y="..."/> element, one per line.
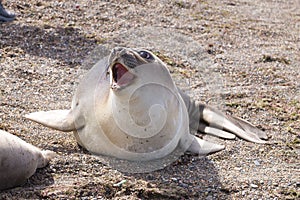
<point x="66" y="44"/>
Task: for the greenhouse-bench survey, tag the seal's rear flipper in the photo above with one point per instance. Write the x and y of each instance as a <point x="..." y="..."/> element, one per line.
<point x="62" y="120"/>
<point x="47" y="155"/>
<point x="248" y="127"/>
<point x="204" y="128"/>
<point x="216" y="119"/>
<point x="202" y="147"/>
<point x="211" y="121"/>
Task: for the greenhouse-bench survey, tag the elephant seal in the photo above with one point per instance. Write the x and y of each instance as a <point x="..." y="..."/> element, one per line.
<point x="19" y="160"/>
<point x="128" y="107"/>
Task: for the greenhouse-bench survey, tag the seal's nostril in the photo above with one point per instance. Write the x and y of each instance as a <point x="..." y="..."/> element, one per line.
<point x="123" y="51"/>
<point x="118" y="49"/>
<point x="117" y="52"/>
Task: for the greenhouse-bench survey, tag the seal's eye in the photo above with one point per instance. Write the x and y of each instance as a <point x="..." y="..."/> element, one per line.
<point x="146" y="55"/>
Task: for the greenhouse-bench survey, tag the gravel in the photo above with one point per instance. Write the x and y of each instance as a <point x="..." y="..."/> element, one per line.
<point x="240" y="56"/>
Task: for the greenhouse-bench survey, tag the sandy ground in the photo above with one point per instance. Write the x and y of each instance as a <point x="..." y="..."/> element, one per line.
<point x="240" y="56"/>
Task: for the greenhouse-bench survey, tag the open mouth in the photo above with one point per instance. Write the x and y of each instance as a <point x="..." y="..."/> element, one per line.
<point x="120" y="74"/>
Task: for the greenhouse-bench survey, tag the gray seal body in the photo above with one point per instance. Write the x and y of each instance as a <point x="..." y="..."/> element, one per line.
<point x="19" y="160"/>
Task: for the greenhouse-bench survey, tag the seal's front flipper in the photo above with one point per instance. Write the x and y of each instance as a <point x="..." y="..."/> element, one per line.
<point x="62" y="120"/>
<point x="202" y="147"/>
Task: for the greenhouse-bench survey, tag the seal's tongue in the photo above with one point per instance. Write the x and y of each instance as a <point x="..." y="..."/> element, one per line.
<point x="121" y="75"/>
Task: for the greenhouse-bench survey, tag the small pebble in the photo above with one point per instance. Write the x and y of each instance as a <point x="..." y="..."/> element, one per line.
<point x="261" y="150"/>
<point x="150" y="177"/>
<point x="237" y="168"/>
<point x="174" y="179"/>
<point x="184" y="185"/>
<point x="253" y="185"/>
<point x="77" y="6"/>
<point x="209" y="197"/>
<point x="119" y="184"/>
<point x="256" y="162"/>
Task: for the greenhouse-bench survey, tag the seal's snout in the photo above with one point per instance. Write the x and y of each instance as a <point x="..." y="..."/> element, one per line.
<point x="114" y="54"/>
<point x="118" y="52"/>
<point x="121" y="61"/>
<point x="125" y="56"/>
